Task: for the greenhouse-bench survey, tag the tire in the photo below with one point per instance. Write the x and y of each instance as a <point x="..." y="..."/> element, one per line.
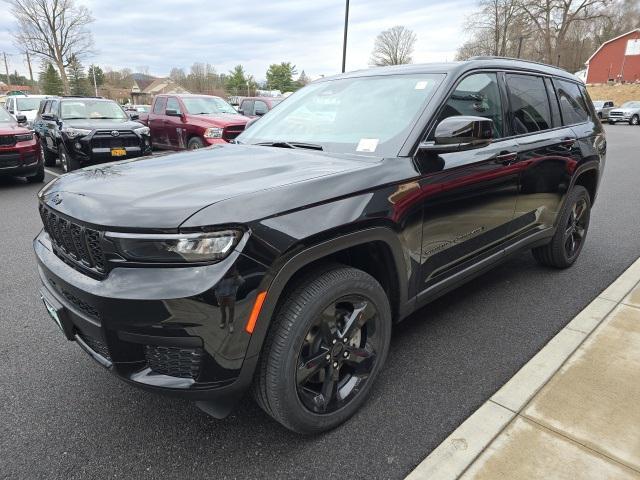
<point x="49" y="158"/>
<point x="600" y="115"/>
<point x="635" y="120"/>
<point x="611" y="123"/>
<point x="39" y="176"/>
<point x="294" y="396"/>
<point x="195" y="143"/>
<point x="68" y="163"/>
<point x="571" y="231"/>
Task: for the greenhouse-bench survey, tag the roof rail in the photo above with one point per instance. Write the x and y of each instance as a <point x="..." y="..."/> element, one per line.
<point x="80" y="96"/>
<point x="497" y="57"/>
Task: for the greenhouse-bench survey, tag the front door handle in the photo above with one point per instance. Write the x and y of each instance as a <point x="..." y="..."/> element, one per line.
<point x="507" y="158"/>
<point x="568" y="142"/>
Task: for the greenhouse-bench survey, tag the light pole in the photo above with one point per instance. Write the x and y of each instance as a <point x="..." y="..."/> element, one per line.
<point x="95" y="84"/>
<point x="346" y="26"/>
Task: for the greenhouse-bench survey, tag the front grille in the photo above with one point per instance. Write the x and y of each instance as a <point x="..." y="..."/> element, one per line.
<point x="174" y="361"/>
<point x="81" y="245"/>
<point x="232" y="131"/>
<point x="9" y="160"/>
<point x="7" y="140"/>
<point x="615" y="114"/>
<point x="96" y="345"/>
<point x="104" y="139"/>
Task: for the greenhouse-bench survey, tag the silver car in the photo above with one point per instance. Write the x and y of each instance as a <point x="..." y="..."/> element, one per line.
<point x="603" y="107"/>
<point x="628" y="112"/>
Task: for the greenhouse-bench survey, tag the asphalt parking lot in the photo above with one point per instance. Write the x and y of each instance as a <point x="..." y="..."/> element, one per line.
<point x="63" y="416"/>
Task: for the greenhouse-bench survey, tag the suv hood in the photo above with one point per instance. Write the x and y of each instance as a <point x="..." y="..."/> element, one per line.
<point x="162" y="192"/>
<point x="104" y="124"/>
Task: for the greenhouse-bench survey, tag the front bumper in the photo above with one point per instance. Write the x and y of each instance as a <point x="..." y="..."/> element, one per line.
<point x="20" y="160"/>
<point x="94" y="148"/>
<point x="159" y="328"/>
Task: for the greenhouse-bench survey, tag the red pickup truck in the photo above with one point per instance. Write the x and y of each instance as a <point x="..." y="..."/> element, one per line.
<point x="182" y="121"/>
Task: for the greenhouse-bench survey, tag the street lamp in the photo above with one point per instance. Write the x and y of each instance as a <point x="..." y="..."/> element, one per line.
<point x="344" y="44"/>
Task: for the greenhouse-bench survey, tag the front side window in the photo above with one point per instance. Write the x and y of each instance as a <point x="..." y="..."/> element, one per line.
<point x="247" y="107"/>
<point x="91" y="109"/>
<point x="529" y="104"/>
<point x="477" y="95"/>
<point x="261" y="107"/>
<point x="369" y="115"/>
<point x="207" y="106"/>
<point x="572" y="105"/>
<point x="158" y="107"/>
<point x="173" y="104"/>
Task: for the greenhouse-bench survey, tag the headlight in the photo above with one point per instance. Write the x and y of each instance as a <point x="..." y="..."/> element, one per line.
<point x="195" y="247"/>
<point x="75" y="132"/>
<point x="214" y="132"/>
<point x="25" y="137"/>
<point x="142" y="130"/>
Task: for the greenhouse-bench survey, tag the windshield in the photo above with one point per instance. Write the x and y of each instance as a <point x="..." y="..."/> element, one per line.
<point x="5" y="117"/>
<point x="207" y="106"/>
<point x="365" y="115"/>
<point x="598" y="103"/>
<point x="92" y="109"/>
<point x="28" y="104"/>
<point x="631" y="105"/>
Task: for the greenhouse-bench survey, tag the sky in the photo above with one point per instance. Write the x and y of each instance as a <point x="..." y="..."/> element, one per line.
<point x="161" y="34"/>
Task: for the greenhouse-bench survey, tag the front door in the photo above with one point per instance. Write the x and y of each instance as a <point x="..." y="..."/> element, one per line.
<point x="174" y="125"/>
<point x="469" y="196"/>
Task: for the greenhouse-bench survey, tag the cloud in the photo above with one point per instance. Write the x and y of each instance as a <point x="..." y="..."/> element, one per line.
<point x="162" y="34"/>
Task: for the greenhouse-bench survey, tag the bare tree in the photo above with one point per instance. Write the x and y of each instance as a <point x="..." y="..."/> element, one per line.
<point x="53" y="29"/>
<point x="393" y="47"/>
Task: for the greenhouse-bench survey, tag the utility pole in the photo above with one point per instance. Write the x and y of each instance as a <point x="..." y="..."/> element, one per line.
<point x="95" y="85"/>
<point x="29" y="64"/>
<point x="6" y="68"/>
<point x="346" y="26"/>
<point x="520" y="45"/>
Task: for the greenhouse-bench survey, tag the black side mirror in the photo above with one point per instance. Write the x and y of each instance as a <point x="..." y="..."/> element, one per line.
<point x="48" y="116"/>
<point x="460" y="133"/>
<point x="172" y="113"/>
<point x="134" y="116"/>
<point x="21" y="118"/>
<point x="240" y="111"/>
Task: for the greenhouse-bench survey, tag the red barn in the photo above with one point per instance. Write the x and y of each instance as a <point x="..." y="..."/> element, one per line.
<point x="617" y="60"/>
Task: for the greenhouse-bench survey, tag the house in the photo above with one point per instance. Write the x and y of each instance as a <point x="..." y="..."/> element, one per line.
<point x="143" y="90"/>
<point x="616" y="60"/>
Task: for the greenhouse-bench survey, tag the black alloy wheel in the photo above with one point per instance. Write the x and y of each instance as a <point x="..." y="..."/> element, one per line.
<point x="576" y="228"/>
<point x="338" y="354"/>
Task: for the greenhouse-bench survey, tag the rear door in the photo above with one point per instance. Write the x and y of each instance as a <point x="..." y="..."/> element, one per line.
<point x="156" y="122"/>
<point x="469" y="196"/>
<point x="548" y="151"/>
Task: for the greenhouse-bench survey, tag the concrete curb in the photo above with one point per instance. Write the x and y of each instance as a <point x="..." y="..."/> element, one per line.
<point x="458" y="451"/>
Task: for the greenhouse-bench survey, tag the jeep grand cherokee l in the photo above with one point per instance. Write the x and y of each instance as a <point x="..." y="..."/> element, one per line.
<point x="279" y="264"/>
<point x="85" y="131"/>
<point x="19" y="150"/>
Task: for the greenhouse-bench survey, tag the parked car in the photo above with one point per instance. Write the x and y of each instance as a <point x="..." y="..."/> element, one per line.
<point x="257" y="106"/>
<point x="137" y="108"/>
<point x="26" y="105"/>
<point x="185" y="121"/>
<point x="628" y="112"/>
<point x="19" y="150"/>
<point x="84" y="131"/>
<point x="603" y="107"/>
<point x="281" y="262"/>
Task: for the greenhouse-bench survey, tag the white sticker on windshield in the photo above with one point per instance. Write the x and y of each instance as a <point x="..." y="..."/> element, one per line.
<point x="421" y="85"/>
<point x="367" y="145"/>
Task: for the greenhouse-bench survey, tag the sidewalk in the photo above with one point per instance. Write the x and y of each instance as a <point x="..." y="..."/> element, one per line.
<point x="572" y="412"/>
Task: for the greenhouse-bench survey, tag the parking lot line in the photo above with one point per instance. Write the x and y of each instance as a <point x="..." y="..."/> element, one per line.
<point x="51" y="172"/>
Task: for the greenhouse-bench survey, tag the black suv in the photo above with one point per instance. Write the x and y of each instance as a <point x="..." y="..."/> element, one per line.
<point x="84" y="131"/>
<point x="281" y="263"/>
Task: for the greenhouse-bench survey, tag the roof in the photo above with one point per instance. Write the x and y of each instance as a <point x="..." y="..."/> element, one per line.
<point x="460" y="67"/>
<point x="143" y="83"/>
<point x="187" y="95"/>
<point x="609" y="41"/>
<point x="162" y="85"/>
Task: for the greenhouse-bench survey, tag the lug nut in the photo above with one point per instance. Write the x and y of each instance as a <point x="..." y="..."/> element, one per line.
<point x="328" y="357"/>
<point x="345" y="340"/>
<point x="334" y="341"/>
<point x="335" y="364"/>
<point x="346" y="354"/>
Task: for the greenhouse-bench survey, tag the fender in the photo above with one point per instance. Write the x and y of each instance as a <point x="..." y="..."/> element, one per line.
<point x="316" y="252"/>
<point x="585" y="167"/>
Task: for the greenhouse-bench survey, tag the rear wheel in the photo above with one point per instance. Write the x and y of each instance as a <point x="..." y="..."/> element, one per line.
<point x="635" y="120"/>
<point x="325" y="348"/>
<point x="571" y="232"/>
<point x="195" y="143"/>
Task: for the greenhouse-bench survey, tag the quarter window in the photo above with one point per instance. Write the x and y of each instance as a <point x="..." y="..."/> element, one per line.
<point x="572" y="104"/>
<point x="477" y="95"/>
<point x="529" y="104"/>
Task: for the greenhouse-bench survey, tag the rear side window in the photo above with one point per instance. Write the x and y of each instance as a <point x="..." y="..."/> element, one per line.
<point x="158" y="107"/>
<point x="572" y="104"/>
<point x="529" y="104"/>
<point x="477" y="95"/>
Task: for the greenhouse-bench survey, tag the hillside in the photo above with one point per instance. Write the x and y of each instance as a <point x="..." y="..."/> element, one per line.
<point x="618" y="93"/>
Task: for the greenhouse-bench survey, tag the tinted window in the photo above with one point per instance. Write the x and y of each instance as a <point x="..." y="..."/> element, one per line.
<point x="158" y="107"/>
<point x="572" y="104"/>
<point x="529" y="104"/>
<point x="477" y="95"/>
<point x="172" y="104"/>
<point x="261" y="108"/>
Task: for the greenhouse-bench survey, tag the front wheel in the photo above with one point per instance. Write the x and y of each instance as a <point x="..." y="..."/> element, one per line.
<point x="571" y="231"/>
<point x="635" y="120"/>
<point x="39" y="175"/>
<point x="67" y="161"/>
<point x="195" y="143"/>
<point x="328" y="342"/>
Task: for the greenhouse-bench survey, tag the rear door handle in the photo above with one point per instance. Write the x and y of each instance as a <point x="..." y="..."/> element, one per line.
<point x="507" y="158"/>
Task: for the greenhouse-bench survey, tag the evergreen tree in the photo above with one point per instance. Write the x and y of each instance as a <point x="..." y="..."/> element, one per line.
<point x="99" y="75"/>
<point x="78" y="84"/>
<point x="236" y="82"/>
<point x="50" y="81"/>
<point x="280" y="77"/>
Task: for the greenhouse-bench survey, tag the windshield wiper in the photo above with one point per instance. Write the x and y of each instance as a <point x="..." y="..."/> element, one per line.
<point x="309" y="146"/>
